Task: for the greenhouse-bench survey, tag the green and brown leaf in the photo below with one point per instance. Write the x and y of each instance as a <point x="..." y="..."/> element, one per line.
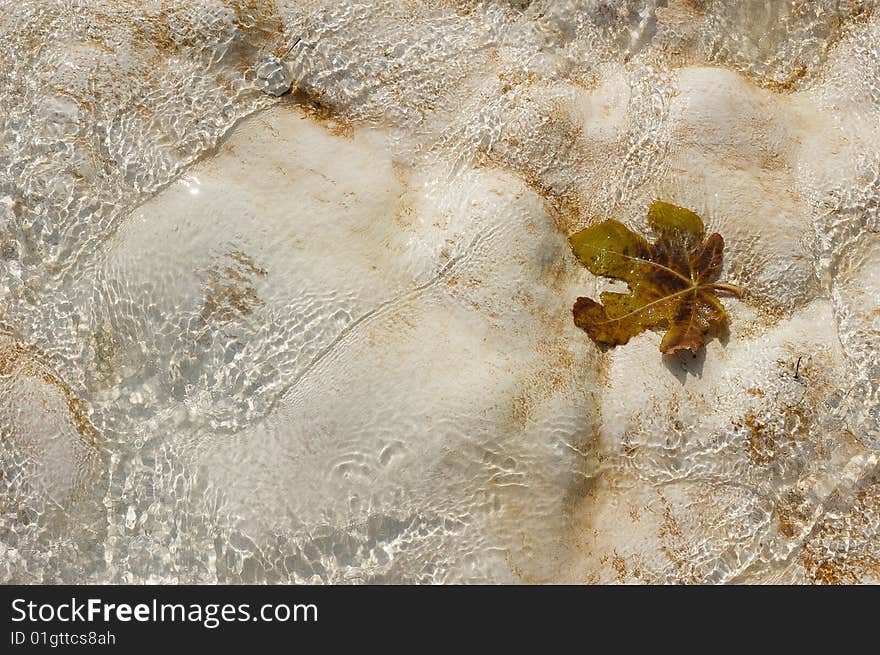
<point x="672" y="282"/>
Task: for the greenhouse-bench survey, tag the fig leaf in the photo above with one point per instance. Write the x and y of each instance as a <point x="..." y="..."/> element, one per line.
<point x="672" y="282"/>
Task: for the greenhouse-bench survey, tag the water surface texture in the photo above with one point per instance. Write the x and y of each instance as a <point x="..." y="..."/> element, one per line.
<point x="326" y="337"/>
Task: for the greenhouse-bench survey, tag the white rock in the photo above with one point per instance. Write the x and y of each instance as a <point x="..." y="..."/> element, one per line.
<point x="332" y="341"/>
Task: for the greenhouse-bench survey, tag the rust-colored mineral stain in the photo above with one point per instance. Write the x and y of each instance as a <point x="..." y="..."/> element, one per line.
<point x="25" y="360"/>
<point x="317" y="108"/>
<point x="789" y="84"/>
<point x="229" y="289"/>
<point x="557" y="369"/>
<point x="842" y="549"/>
<point x="619" y="566"/>
<point x="760" y="439"/>
<point x="673" y="546"/>
<point x="791" y="513"/>
<point x="697" y="6"/>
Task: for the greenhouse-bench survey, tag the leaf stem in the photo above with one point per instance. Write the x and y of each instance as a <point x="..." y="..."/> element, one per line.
<point x="729" y="288"/>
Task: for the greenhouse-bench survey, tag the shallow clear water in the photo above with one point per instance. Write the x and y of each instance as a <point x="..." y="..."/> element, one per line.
<point x="327" y="337"/>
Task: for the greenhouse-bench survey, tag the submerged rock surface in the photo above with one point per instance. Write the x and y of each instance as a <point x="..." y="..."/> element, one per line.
<point x="327" y="337"/>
